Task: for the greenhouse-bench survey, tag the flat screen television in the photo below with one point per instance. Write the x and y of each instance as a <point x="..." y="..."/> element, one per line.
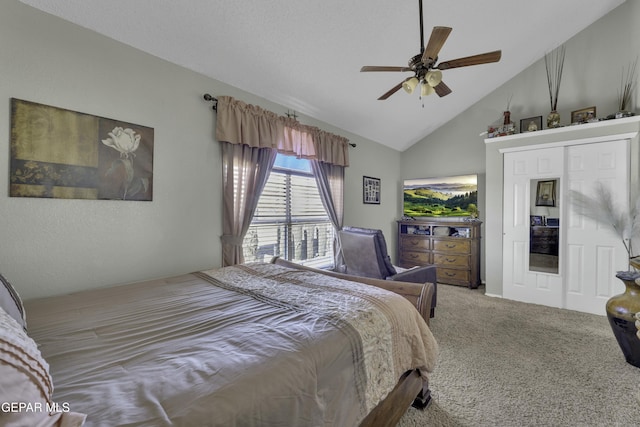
<point x="451" y="196"/>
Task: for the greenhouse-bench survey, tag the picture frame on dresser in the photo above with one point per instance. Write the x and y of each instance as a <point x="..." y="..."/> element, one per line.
<point x="553" y="222"/>
<point x="536" y="220"/>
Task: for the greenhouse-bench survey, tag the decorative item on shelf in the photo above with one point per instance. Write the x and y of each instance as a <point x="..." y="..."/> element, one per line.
<point x="554" y="63"/>
<point x="536" y="220"/>
<point x="553" y="222"/>
<point x="471" y="219"/>
<point x="541" y="212"/>
<point x="626" y="90"/>
<point x="621" y="309"/>
<point x="508" y="127"/>
<point x="531" y="124"/>
<point x="553" y="119"/>
<point x="503" y="126"/>
<point x="584" y="115"/>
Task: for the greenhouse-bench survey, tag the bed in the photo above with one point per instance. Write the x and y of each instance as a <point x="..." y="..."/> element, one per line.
<point x="248" y="345"/>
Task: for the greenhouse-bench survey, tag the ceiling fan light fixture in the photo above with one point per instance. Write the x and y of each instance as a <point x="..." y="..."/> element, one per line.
<point x="433" y="77"/>
<point x="426" y="89"/>
<point x="410" y="84"/>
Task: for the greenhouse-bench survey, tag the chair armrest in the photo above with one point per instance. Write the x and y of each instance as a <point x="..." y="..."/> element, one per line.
<point x="422" y="274"/>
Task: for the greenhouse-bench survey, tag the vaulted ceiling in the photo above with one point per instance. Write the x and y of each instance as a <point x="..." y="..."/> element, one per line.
<point x="306" y="55"/>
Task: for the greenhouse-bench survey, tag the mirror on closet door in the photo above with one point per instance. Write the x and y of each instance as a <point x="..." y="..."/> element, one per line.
<point x="544" y="232"/>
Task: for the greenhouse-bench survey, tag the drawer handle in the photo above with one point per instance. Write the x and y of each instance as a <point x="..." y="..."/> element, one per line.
<point x="449" y="274"/>
<point x="450" y="259"/>
<point x="414" y="243"/>
<point x="414" y="256"/>
<point x="450" y="246"/>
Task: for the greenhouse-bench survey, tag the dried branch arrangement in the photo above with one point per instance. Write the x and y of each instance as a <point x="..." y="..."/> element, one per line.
<point x="600" y="206"/>
<point x="627" y="84"/>
<point x="554" y="62"/>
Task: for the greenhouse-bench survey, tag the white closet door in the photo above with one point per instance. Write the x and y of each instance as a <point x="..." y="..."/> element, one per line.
<point x="519" y="283"/>
<point x="593" y="253"/>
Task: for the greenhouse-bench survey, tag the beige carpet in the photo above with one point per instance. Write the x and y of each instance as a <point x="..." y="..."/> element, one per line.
<point x="505" y="363"/>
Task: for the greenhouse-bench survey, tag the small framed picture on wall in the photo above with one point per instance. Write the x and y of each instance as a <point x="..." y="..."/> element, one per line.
<point x="370" y="190"/>
<point x="546" y="193"/>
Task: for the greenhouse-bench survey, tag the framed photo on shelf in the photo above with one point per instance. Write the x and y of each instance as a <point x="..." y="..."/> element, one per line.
<point x="584" y="115"/>
<point x="370" y="190"/>
<point x="531" y="124"/>
<point x="553" y="222"/>
<point x="536" y="219"/>
<point x="546" y="193"/>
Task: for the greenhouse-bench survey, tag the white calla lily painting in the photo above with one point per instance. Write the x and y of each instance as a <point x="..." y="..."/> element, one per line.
<point x="59" y="153"/>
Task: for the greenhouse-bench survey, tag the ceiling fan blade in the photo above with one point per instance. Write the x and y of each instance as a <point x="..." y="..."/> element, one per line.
<point x="482" y="58"/>
<point x="391" y="91"/>
<point x="441" y="89"/>
<point x="436" y="41"/>
<point x="383" y="68"/>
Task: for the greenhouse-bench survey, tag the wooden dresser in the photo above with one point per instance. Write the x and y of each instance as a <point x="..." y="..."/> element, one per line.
<point x="453" y="246"/>
<point x="544" y="240"/>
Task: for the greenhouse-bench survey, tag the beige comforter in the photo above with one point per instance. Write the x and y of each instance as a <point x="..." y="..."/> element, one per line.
<point x="248" y="345"/>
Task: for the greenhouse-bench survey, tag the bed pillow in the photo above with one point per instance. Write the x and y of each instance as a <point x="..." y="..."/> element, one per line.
<point x="11" y="303"/>
<point x="26" y="387"/>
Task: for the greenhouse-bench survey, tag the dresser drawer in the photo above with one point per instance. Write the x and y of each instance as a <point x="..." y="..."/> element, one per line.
<point x="416" y="243"/>
<point x="448" y="275"/>
<point x="411" y="259"/>
<point x="451" y="260"/>
<point x="452" y="246"/>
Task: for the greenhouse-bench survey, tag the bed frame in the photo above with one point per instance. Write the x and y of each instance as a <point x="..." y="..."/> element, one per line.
<point x="411" y="389"/>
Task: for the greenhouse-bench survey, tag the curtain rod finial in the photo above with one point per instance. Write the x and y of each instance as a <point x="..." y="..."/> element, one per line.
<point x="208" y="97"/>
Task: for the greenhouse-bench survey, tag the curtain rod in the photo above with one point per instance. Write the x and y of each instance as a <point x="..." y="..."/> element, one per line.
<point x="213" y="99"/>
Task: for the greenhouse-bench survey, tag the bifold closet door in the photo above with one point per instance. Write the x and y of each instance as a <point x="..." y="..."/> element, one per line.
<point x="518" y="282"/>
<point x="593" y="252"/>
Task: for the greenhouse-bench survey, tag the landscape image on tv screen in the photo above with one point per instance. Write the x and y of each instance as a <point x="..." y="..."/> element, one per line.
<point x="453" y="196"/>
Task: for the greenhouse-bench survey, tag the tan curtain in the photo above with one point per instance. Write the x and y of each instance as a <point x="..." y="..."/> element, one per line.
<point x="251" y="137"/>
<point x="330" y="182"/>
<point x="245" y="172"/>
<point x="240" y="123"/>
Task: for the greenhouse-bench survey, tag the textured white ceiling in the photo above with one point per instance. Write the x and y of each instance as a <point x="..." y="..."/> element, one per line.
<point x="306" y="55"/>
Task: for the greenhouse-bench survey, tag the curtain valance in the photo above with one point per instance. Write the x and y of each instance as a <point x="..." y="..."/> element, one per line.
<point x="241" y="123"/>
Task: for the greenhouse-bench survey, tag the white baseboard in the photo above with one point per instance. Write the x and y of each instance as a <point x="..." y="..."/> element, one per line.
<point x="493" y="295"/>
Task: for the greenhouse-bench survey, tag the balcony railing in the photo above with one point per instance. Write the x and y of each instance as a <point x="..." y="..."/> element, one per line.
<point x="303" y="242"/>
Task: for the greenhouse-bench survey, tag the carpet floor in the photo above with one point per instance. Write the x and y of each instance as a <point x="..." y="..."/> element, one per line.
<point x="506" y="363"/>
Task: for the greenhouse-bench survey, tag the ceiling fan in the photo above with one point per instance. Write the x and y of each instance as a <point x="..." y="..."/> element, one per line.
<point x="424" y="68"/>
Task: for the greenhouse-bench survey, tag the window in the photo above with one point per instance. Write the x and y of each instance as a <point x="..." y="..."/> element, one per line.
<point x="290" y="220"/>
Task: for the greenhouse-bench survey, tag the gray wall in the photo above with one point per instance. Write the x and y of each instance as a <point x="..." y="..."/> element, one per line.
<point x="53" y="246"/>
<point x="56" y="246"/>
<point x="595" y="60"/>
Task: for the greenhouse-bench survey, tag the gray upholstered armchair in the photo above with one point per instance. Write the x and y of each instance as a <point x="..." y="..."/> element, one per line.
<point x="365" y="254"/>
